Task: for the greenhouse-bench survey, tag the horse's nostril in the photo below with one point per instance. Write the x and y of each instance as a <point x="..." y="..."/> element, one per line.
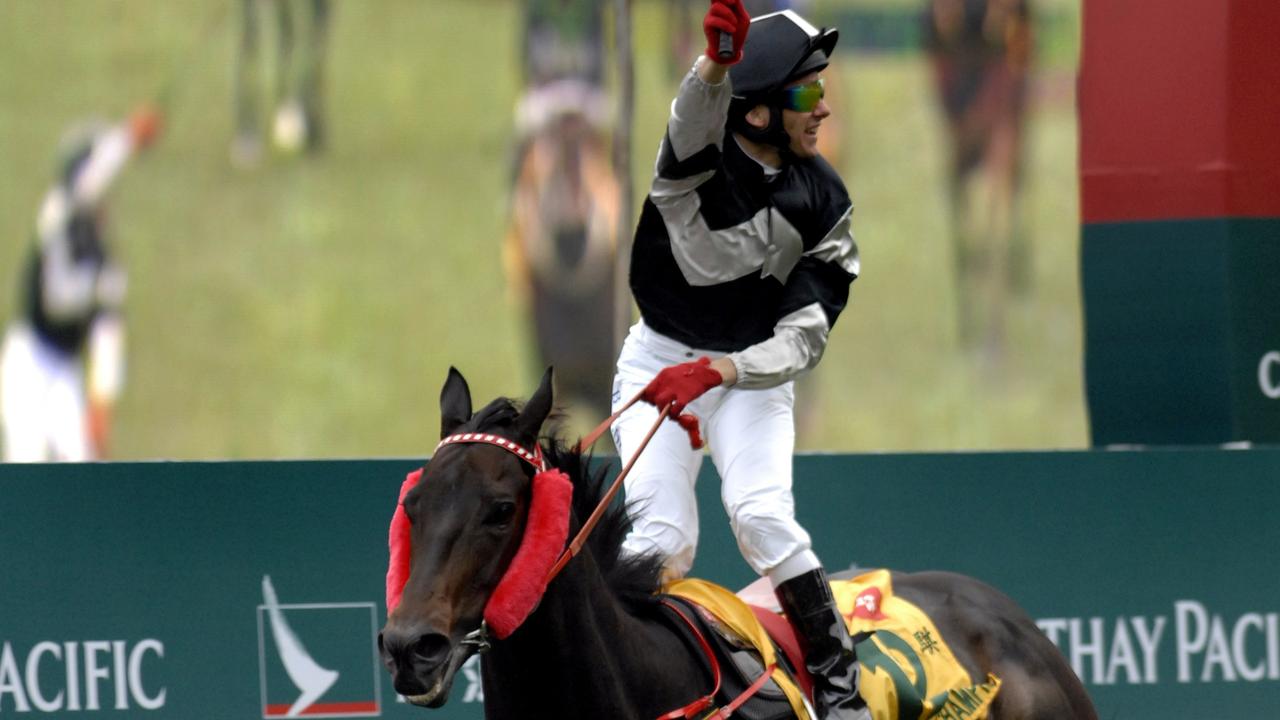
<point x="431" y="648"/>
<point x="393" y="644"/>
<point x="388" y="649"/>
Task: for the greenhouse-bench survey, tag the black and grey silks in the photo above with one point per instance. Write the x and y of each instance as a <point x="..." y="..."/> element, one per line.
<point x="732" y="257"/>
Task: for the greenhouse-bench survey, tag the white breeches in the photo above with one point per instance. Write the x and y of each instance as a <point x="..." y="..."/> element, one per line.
<point x="751" y="437"/>
<point x="42" y="405"/>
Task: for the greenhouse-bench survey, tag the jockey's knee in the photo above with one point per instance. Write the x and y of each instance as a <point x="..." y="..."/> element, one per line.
<point x="675" y="544"/>
<point x="768" y="539"/>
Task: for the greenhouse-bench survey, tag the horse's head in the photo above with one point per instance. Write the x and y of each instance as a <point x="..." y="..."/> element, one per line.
<point x="467" y="518"/>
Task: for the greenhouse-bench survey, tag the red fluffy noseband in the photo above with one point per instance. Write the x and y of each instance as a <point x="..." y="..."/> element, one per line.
<point x="398" y="566"/>
<point x="545" y="533"/>
<point x="522" y="587"/>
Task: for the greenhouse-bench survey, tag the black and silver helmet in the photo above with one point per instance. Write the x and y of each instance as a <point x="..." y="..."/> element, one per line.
<point x="780" y="47"/>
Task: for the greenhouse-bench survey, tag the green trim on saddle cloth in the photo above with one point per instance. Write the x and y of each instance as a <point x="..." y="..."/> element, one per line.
<point x="908" y="670"/>
<point x="733" y="613"/>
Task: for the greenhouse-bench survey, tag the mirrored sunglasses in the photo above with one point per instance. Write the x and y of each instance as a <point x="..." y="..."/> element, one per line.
<point x="803" y="98"/>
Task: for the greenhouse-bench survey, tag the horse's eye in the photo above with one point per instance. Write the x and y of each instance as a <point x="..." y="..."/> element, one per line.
<point x="501" y="513"/>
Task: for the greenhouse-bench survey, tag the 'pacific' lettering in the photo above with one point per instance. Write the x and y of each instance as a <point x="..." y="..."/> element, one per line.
<point x="104" y="660"/>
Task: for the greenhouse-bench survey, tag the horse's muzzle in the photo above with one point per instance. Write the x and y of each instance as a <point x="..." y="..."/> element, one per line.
<point x="419" y="664"/>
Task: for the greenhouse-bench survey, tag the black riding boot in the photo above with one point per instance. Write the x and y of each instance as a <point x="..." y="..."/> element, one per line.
<point x="828" y="650"/>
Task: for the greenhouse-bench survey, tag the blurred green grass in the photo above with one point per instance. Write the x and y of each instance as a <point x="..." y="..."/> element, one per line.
<point x="311" y="307"/>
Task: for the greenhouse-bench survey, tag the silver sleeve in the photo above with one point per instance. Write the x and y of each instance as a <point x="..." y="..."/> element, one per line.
<point x="698" y="115"/>
<point x="797" y="344"/>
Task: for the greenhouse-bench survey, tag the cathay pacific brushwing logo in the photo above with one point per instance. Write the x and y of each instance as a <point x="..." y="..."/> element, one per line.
<point x="317" y="659"/>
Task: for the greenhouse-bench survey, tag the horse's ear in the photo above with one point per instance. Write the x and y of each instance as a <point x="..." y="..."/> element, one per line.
<point x="535" y="411"/>
<point x="455" y="402"/>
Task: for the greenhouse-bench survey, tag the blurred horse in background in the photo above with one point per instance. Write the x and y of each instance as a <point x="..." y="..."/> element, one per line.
<point x="561" y="249"/>
<point x="980" y="52"/>
<point x="561" y="243"/>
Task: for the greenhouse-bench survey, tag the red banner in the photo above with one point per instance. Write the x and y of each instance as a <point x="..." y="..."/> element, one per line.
<point x="1179" y="103"/>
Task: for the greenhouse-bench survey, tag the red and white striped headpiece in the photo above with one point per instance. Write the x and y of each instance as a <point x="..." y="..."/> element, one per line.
<point x="533" y="457"/>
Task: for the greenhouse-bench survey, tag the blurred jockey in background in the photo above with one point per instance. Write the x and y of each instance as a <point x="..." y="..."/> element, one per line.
<point x="301" y="42"/>
<point x="62" y="364"/>
<point x="564" y="62"/>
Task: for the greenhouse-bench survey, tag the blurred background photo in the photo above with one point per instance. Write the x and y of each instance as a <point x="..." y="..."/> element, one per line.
<point x="339" y="200"/>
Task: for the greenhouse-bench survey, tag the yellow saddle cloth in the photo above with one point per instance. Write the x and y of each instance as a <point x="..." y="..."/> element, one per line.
<point x="908" y="671"/>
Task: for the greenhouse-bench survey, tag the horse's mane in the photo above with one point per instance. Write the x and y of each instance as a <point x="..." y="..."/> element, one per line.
<point x="633" y="579"/>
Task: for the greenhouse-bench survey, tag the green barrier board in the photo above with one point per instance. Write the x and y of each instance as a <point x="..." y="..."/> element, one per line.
<point x="177" y="590"/>
<point x="1182" y="331"/>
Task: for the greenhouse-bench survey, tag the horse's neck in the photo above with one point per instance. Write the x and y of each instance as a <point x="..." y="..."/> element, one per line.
<point x="582" y="655"/>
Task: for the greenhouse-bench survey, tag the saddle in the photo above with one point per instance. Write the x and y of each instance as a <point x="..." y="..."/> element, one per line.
<point x="744" y="687"/>
<point x="908" y="670"/>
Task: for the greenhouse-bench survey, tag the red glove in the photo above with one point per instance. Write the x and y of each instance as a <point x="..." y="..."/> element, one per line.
<point x="730" y="18"/>
<point x="690" y="424"/>
<point x="98" y="418"/>
<point x="681" y="384"/>
<point x="144" y="125"/>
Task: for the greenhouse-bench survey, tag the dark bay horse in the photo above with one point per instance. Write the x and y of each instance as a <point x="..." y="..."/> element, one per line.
<point x="596" y="645"/>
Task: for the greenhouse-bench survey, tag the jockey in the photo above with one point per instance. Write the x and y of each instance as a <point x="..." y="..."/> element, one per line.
<point x="62" y="364"/>
<point x="742" y="261"/>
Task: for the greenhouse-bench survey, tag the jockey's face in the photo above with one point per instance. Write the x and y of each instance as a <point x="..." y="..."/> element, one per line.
<point x="802" y="126"/>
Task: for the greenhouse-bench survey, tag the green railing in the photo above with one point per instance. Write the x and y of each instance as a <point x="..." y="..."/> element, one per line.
<point x="140" y="590"/>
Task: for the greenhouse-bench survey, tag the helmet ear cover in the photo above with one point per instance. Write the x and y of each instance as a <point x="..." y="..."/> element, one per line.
<point x="773" y="133"/>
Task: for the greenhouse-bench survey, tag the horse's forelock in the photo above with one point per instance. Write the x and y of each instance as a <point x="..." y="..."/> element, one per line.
<point x="497" y="415"/>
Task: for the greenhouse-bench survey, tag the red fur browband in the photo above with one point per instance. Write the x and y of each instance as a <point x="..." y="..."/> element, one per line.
<point x="522" y="587"/>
